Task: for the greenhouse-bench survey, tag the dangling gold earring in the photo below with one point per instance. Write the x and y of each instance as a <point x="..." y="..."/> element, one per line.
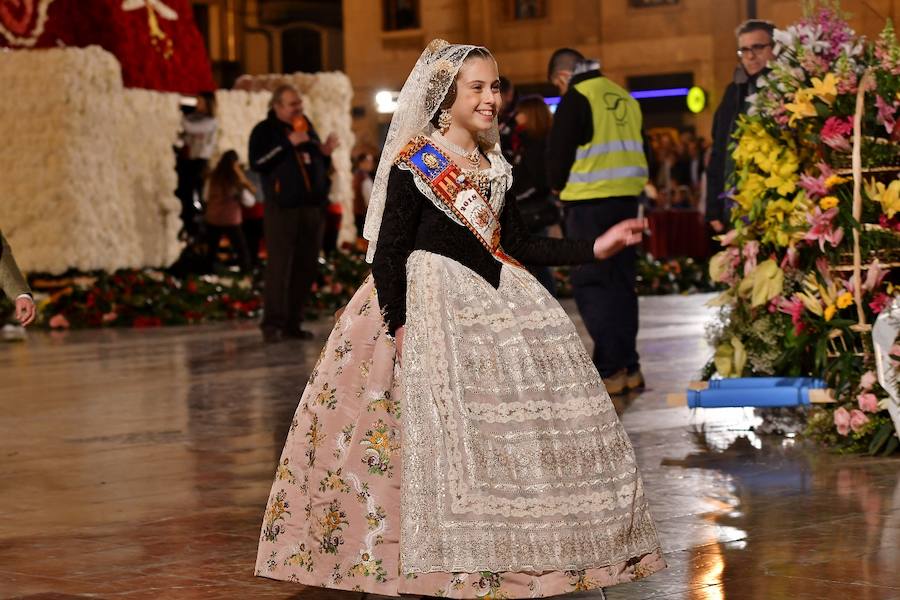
<point x="444" y="121"/>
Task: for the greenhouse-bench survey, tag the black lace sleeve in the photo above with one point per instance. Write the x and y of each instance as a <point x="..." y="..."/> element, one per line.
<point x="396" y="240"/>
<point x="536" y="250"/>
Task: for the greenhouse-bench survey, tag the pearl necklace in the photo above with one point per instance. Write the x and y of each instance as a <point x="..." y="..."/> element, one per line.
<point x="473" y="157"/>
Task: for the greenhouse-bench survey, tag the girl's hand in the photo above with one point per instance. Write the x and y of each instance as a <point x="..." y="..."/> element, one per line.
<point x="621" y="235"/>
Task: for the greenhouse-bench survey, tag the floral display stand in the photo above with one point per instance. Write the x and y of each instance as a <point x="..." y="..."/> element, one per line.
<point x="812" y="258"/>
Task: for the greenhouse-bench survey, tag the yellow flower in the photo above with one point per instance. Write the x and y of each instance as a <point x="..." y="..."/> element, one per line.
<point x="332" y="520"/>
<point x="811" y="303"/>
<point x="825" y="90"/>
<point x="829" y="312"/>
<point x="379" y="441"/>
<point x="802" y="107"/>
<point x="844" y="300"/>
<point x="835" y="180"/>
<point x="890" y="199"/>
<point x="752" y="188"/>
<point x="888" y="196"/>
<point x="828" y="202"/>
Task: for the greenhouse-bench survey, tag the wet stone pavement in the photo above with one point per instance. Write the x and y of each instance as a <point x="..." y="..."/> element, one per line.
<point x="136" y="464"/>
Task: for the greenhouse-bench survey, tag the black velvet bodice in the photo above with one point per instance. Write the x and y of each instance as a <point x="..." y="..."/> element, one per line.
<point x="411" y="222"/>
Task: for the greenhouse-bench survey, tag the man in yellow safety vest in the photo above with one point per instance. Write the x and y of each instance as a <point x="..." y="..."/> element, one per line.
<point x="596" y="160"/>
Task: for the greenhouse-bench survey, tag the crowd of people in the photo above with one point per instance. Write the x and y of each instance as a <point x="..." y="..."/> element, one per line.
<point x="678" y="161"/>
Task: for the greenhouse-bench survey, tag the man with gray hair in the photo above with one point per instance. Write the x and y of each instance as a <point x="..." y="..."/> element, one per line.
<point x="294" y="167"/>
<point x="755" y="50"/>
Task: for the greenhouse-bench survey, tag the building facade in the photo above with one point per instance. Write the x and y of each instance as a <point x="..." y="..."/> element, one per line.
<point x="642" y="44"/>
<point x="270" y="36"/>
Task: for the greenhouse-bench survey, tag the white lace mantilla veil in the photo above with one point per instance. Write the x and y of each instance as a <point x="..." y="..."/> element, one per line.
<point x="419" y="99"/>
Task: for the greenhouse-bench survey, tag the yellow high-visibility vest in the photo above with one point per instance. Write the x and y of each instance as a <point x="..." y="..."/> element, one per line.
<point x="613" y="162"/>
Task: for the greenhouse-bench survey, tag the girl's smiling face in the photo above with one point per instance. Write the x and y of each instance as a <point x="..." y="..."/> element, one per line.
<point x="477" y="95"/>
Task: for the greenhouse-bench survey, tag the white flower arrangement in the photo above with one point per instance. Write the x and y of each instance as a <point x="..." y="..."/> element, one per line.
<point x="89" y="172"/>
<point x="88" y="168"/>
<point x="237" y="112"/>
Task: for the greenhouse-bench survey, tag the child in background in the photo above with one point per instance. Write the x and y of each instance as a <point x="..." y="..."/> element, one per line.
<point x="226" y="191"/>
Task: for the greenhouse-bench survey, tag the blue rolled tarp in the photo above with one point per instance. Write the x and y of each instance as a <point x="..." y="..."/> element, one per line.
<point x="777" y="396"/>
<point x="766" y="382"/>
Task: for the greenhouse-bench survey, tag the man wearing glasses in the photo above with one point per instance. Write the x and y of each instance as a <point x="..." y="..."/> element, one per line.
<point x="755" y="50"/>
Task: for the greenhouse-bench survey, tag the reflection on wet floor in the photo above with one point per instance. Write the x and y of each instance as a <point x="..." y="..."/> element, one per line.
<point x="136" y="465"/>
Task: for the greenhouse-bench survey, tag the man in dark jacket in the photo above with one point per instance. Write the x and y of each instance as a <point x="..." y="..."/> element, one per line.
<point x="755" y="50"/>
<point x="285" y="149"/>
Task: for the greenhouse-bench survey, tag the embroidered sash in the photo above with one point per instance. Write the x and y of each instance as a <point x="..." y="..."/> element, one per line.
<point x="452" y="188"/>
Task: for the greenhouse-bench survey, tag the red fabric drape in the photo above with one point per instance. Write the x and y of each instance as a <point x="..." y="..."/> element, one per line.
<point x="177" y="62"/>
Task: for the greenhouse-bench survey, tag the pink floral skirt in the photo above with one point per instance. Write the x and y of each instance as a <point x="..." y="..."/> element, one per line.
<point x="334" y="513"/>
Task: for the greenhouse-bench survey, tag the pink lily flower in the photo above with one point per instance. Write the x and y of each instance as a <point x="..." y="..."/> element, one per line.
<point x="885" y="114"/>
<point x="814" y="186"/>
<point x="824" y="170"/>
<point x="824" y="269"/>
<point x="821" y="230"/>
<point x="835" y="131"/>
<point x="794" y="308"/>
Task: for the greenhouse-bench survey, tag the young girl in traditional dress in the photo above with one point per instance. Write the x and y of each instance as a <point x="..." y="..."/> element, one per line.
<point x="454" y="438"/>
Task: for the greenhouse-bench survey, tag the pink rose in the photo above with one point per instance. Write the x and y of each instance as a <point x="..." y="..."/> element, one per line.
<point x="842" y="421"/>
<point x="858" y="419"/>
<point x="59" y="321"/>
<point x="867" y="403"/>
<point x="867" y="381"/>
